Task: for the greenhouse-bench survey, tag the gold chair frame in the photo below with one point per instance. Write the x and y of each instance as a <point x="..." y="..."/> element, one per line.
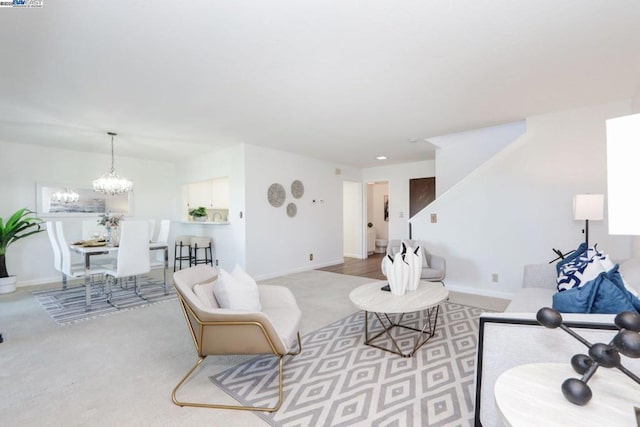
<point x="198" y="340"/>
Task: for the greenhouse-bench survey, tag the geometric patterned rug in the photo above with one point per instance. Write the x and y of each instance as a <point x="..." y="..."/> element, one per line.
<point x="68" y="306"/>
<point x="339" y="381"/>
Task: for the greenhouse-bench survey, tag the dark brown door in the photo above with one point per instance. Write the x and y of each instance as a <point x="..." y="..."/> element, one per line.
<point x="422" y="191"/>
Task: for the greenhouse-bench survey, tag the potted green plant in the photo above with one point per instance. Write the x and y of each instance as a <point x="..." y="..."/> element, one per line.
<point x="18" y="226"/>
<point x="199" y="214"/>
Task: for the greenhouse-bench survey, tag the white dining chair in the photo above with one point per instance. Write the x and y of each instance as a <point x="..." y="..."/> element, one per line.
<point x="152" y="229"/>
<point x="133" y="256"/>
<point x="57" y="256"/>
<point x="66" y="267"/>
<point x="163" y="234"/>
<point x="157" y="258"/>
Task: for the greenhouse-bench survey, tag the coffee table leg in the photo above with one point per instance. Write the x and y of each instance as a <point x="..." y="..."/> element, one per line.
<point x="428" y="329"/>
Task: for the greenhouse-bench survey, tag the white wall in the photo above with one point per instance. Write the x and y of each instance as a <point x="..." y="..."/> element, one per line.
<point x="229" y="239"/>
<point x="31" y="259"/>
<point x="276" y="243"/>
<point x="398" y="177"/>
<point x="460" y="153"/>
<point x="518" y="205"/>
<point x="352" y="219"/>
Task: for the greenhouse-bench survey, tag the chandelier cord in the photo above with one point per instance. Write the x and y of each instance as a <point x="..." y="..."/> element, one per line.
<point x="113" y="168"/>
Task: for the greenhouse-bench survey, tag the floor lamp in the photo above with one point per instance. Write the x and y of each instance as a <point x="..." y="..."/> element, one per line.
<point x="588" y="207"/>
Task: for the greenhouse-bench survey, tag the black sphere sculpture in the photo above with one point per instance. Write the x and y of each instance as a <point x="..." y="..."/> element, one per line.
<point x="627" y="342"/>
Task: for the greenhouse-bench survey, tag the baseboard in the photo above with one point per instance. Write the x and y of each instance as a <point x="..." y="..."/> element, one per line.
<point x="39" y="281"/>
<point x="358" y="256"/>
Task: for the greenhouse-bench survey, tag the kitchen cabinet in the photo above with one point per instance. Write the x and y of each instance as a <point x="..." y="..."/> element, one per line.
<point x="213" y="194"/>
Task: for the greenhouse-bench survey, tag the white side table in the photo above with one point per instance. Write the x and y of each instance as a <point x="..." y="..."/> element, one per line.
<point x="530" y="395"/>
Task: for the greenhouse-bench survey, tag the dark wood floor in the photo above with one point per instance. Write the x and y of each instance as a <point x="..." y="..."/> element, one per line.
<point x="369" y="267"/>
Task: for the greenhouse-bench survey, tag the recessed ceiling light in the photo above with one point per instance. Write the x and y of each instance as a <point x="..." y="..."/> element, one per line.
<point x="381" y="158"/>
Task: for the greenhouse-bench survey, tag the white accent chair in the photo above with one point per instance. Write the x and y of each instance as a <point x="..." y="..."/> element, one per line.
<point x="434" y="267"/>
<point x="133" y="256"/>
<point x="217" y="331"/>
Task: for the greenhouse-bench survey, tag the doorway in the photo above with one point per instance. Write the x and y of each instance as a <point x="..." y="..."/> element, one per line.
<point x="352" y="226"/>
<point x="377" y="216"/>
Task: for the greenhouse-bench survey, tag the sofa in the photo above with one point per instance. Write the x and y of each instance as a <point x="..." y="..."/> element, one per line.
<point x="515" y="338"/>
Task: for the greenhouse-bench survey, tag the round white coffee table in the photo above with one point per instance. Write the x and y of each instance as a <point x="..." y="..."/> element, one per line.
<point x="371" y="298"/>
<point x="530" y="395"/>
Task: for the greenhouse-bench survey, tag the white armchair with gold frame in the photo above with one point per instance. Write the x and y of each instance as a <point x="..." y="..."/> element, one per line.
<point x="218" y="331"/>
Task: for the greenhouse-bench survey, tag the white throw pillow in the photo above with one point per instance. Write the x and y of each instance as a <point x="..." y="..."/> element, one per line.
<point x="237" y="293"/>
<point x="204" y="291"/>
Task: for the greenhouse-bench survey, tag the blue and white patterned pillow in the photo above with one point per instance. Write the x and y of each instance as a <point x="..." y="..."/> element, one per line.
<point x="582" y="268"/>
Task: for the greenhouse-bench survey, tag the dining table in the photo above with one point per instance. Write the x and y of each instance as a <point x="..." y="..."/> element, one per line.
<point x="93" y="250"/>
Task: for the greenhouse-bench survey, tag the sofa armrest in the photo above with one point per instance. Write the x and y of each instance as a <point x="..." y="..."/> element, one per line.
<point x="539" y="276"/>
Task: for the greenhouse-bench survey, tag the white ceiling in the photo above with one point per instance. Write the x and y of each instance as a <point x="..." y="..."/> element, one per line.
<point x="341" y="80"/>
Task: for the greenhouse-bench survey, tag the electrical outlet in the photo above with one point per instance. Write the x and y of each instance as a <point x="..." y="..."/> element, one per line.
<point x="310" y="257"/>
<point x="216" y="263"/>
<point x="434" y="218"/>
<point x="494" y="277"/>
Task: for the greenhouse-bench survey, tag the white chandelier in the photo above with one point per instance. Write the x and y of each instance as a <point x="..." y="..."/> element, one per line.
<point x="65" y="196"/>
<point x="111" y="183"/>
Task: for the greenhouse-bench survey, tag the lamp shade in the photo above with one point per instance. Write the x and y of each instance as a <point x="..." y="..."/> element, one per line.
<point x="588" y="206"/>
<point x="623" y="174"/>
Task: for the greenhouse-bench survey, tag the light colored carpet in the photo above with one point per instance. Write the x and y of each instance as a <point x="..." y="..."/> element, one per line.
<point x="339" y="381"/>
<point x="120" y="370"/>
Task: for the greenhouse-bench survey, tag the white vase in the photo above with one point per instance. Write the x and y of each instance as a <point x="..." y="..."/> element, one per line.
<point x="414" y="259"/>
<point x="387" y="265"/>
<point x="7" y="284"/>
<point x="400" y="275"/>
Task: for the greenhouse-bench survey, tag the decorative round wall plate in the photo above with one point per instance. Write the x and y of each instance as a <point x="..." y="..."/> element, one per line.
<point x="276" y="195"/>
<point x="292" y="210"/>
<point x="297" y="189"/>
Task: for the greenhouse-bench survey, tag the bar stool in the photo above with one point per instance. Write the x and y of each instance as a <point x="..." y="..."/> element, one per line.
<point x="182" y="242"/>
<point x="202" y="244"/>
